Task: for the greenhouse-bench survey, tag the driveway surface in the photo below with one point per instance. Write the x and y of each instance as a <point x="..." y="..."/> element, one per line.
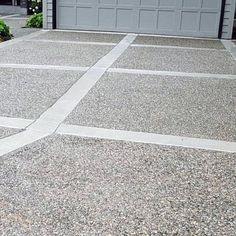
<point x="115" y="134"/>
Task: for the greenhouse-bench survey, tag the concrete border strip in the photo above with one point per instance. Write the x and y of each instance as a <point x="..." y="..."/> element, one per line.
<point x="50" y="120"/>
<point x="175" y="47"/>
<point x="20" y="39"/>
<point x="43" y="67"/>
<point x="90" y="31"/>
<point x="171" y="73"/>
<point x="71" y="42"/>
<point x="177" y="37"/>
<point x="230" y="47"/>
<point x="9" y="16"/>
<point x="15" y="123"/>
<point x="148" y="138"/>
<point x="19" y="140"/>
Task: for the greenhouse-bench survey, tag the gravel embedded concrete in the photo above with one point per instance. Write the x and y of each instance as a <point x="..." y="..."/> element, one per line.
<point x="82" y="37"/>
<point x="191" y="107"/>
<point x="179" y="42"/>
<point x="60" y="54"/>
<point x="26" y="93"/>
<point x="180" y="60"/>
<point x="70" y="186"/>
<point x="4" y="132"/>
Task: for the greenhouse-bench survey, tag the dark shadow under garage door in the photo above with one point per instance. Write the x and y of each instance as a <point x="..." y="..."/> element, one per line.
<point x="173" y="17"/>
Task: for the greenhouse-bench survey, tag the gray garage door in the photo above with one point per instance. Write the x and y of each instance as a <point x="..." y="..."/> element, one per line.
<point x="172" y="17"/>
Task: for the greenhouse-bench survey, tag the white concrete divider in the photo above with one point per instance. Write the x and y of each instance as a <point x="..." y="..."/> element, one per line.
<point x="172" y="73"/>
<point x="148" y="138"/>
<point x="15" y="123"/>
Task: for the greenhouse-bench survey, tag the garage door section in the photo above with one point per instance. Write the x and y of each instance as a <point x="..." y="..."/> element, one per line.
<point x="172" y="17"/>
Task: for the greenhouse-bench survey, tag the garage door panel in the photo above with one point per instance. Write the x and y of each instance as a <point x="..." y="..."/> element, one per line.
<point x="107" y="18"/>
<point x="211" y="4"/>
<point x="64" y="20"/>
<point x="152" y="3"/>
<point x="148" y="19"/>
<point x="191" y="4"/>
<point x="85" y="16"/>
<point x="174" y="17"/>
<point x="168" y="3"/>
<point x="208" y="22"/>
<point x="166" y="20"/>
<point x="107" y="2"/>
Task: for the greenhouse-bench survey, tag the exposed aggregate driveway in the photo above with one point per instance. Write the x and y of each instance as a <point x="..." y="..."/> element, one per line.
<point x="98" y="171"/>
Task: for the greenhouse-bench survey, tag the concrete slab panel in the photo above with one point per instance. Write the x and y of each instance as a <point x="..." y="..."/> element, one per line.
<point x="182" y="106"/>
<point x="65" y="185"/>
<point x="42" y="53"/>
<point x="82" y="37"/>
<point x="182" y="60"/>
<point x="4" y="132"/>
<point x="26" y="93"/>
<point x="179" y="42"/>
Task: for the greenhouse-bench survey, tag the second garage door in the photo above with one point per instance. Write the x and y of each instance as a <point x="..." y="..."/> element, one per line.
<point x="173" y="17"/>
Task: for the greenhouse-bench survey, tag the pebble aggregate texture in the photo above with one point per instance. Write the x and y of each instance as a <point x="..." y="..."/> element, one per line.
<point x="179" y="42"/>
<point x="181" y="60"/>
<point x="26" y="93"/>
<point x="82" y="37"/>
<point x="66" y="185"/>
<point x="4" y="132"/>
<point x="199" y="107"/>
<point x="42" y="53"/>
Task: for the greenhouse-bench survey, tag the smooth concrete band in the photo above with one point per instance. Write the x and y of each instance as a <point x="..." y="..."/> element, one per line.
<point x="171" y="73"/>
<point x="43" y="67"/>
<point x="19" y="140"/>
<point x="70" y="42"/>
<point x="148" y="138"/>
<point x="15" y="123"/>
<point x="175" y="47"/>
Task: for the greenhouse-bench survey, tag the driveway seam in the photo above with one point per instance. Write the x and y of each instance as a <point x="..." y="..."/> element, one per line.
<point x="71" y="42"/>
<point x="176" y="47"/>
<point x="44" y="67"/>
<point x="15" y="123"/>
<point x="149" y="138"/>
<point x="171" y="73"/>
<point x="124" y="135"/>
<point x="50" y="120"/>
